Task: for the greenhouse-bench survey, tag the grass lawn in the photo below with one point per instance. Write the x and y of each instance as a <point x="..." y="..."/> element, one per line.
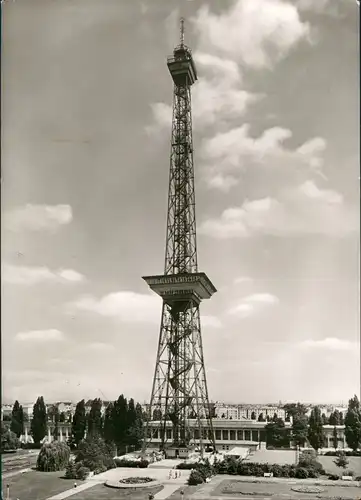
<point x="36" y="485"/>
<point x="101" y="492"/>
<point x="238" y="488"/>
<point x="281" y="457"/>
<point x="354" y="464"/>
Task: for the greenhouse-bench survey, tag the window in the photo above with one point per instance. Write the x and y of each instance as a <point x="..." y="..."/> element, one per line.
<point x="232" y="435"/>
<point x="247" y="435"/>
<point x="169" y="433"/>
<point x="240" y="435"/>
<point x="225" y="435"/>
<point x="254" y="435"/>
<point x="218" y="434"/>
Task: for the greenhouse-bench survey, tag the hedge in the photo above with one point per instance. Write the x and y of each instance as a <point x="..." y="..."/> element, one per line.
<point x="123" y="462"/>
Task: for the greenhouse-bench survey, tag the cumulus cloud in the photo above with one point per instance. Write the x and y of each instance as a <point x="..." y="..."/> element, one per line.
<point x="252" y="34"/>
<point x="51" y="335"/>
<point x="329" y="343"/>
<point x="27" y="275"/>
<point x="256" y="33"/>
<point x="38" y="217"/>
<point x="306" y="209"/>
<point x="126" y="306"/>
<point x="227" y="154"/>
<point x="253" y="304"/>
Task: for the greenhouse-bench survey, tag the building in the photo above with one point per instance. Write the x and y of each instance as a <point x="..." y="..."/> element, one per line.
<point x="239" y="412"/>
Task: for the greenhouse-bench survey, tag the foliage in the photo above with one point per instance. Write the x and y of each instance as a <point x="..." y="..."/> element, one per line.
<point x="333" y="477"/>
<point x="38" y="426"/>
<point x="347" y="453"/>
<point x="353" y="424"/>
<point x="81" y="472"/>
<point x="315" y="429"/>
<point x="301" y="473"/>
<point x="195" y="478"/>
<point x="109" y="429"/>
<point x="95" y="420"/>
<point x="56" y="424"/>
<point x="17" y="419"/>
<point x="294" y="409"/>
<point x="324" y="419"/>
<point x="94" y="453"/>
<point x="78" y="425"/>
<point x="276" y="433"/>
<point x="341" y="460"/>
<point x="9" y="440"/>
<point x="53" y="457"/>
<point x="253" y="415"/>
<point x="335" y="418"/>
<point x="299" y="429"/>
<point x="136" y="480"/>
<point x="308" y="461"/>
<point x="122" y="462"/>
<point x="70" y="472"/>
<point x="335" y="438"/>
<point x="134" y="432"/>
<point x="261" y="418"/>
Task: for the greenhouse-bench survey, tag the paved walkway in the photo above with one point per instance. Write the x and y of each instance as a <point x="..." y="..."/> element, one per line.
<point x="161" y="474"/>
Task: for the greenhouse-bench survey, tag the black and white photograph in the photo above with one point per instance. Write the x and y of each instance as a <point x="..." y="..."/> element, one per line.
<point x="180" y="251"/>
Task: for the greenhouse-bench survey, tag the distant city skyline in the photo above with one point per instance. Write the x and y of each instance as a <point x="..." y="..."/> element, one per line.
<point x="85" y="159"/>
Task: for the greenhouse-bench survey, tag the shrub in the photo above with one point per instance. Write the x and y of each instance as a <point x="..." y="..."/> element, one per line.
<point x="82" y="472"/>
<point x="95" y="454"/>
<point x="123" y="462"/>
<point x="349" y="473"/>
<point x="301" y="473"/>
<point x="333" y="477"/>
<point x="195" y="478"/>
<point x="358" y="478"/>
<point x="70" y="472"/>
<point x="53" y="457"/>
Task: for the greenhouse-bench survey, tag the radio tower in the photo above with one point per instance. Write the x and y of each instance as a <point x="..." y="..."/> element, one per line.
<point x="180" y="416"/>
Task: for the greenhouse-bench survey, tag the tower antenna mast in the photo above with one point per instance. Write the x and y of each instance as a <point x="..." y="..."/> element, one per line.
<point x="180" y="415"/>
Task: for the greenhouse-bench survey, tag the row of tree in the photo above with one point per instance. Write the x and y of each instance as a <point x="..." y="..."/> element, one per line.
<point x="311" y="428"/>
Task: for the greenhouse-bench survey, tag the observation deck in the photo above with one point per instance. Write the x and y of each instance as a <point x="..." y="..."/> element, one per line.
<point x="181" y="287"/>
<point x="181" y="66"/>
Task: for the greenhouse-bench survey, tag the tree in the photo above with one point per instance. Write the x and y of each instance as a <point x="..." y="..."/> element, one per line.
<point x="17" y="419"/>
<point x="294" y="409"/>
<point x="335" y="438"/>
<point x="353" y="424"/>
<point x="53" y="457"/>
<point x="62" y="417"/>
<point x="261" y="418"/>
<point x="299" y="429"/>
<point x="38" y="427"/>
<point x="56" y="424"/>
<point x="109" y="430"/>
<point x="253" y="415"/>
<point x="335" y="418"/>
<point x="276" y="433"/>
<point x="315" y="429"/>
<point x="78" y="425"/>
<point x="120" y="422"/>
<point x="275" y="417"/>
<point x="94" y="453"/>
<point x="95" y="420"/>
<point x="135" y="429"/>
<point x="9" y="441"/>
<point x="341" y="460"/>
<point x="324" y="419"/>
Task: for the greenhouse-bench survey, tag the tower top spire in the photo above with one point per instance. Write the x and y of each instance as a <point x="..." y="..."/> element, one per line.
<point x="182" y="31"/>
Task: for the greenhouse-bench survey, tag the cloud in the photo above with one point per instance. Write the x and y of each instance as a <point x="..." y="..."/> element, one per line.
<point x="253" y="304"/>
<point x="329" y="343"/>
<point x="303" y="210"/>
<point x="210" y="321"/>
<point x="227" y="154"/>
<point x="26" y="275"/>
<point x="38" y="217"/>
<point x="129" y="307"/>
<point x="51" y="335"/>
<point x="256" y="33"/>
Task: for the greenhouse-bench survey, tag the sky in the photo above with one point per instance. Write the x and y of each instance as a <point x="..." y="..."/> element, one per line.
<point x="86" y="114"/>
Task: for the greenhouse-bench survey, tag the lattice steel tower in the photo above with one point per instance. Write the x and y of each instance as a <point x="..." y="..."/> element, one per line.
<point x="180" y="413"/>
